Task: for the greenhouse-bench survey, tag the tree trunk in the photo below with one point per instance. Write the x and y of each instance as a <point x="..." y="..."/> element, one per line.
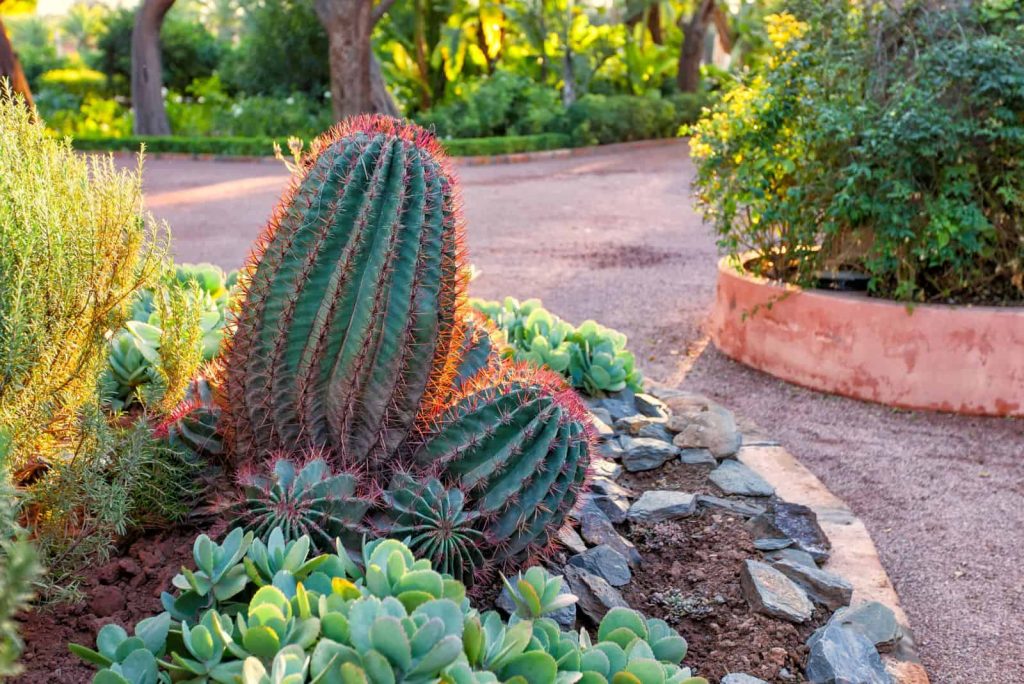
<point x="357" y="84"/>
<point x="694" y="32"/>
<point x="147" y="70"/>
<point x="10" y="67"/>
<point x="654" y="23"/>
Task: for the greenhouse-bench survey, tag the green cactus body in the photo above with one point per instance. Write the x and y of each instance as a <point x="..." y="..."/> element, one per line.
<point x="348" y="317"/>
<point x="518" y="443"/>
<point x="479" y="350"/>
<point x="194" y="424"/>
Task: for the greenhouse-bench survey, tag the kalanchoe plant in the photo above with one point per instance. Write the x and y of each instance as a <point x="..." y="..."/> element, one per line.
<point x="536" y="593"/>
<point x="389" y="619"/>
<point x="194" y="423"/>
<point x="302" y="499"/>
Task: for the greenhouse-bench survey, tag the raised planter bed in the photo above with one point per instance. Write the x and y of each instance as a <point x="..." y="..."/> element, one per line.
<point x="962" y="359"/>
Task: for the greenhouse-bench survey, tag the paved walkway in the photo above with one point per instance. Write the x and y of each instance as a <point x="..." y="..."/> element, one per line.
<point x="614" y="237"/>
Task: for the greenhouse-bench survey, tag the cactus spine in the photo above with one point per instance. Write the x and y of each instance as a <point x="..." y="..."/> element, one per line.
<point x="349" y="313"/>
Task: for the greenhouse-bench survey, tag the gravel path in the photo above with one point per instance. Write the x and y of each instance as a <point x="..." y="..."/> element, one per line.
<point x="613" y="237"/>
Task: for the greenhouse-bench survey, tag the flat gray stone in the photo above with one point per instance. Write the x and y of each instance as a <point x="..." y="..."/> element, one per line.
<point x="732" y="477"/>
<point x="597" y="529"/>
<point x="615" y="505"/>
<point x="659" y="505"/>
<point x="617" y="405"/>
<point x="741" y="678"/>
<point x="874" y="620"/>
<point x="565" y="617"/>
<point x="771" y="544"/>
<point x="826" y="588"/>
<point x="843" y="656"/>
<point x="610" y="449"/>
<point x="603" y="467"/>
<point x="601" y="484"/>
<point x="697" y="457"/>
<point x="632" y="425"/>
<point x="596" y="596"/>
<point x="602" y="427"/>
<point x="702" y="423"/>
<point x="770" y="592"/>
<point x="648" y="405"/>
<point x="605" y="562"/>
<point x="602" y="415"/>
<point x="730" y="505"/>
<point x="800" y="524"/>
<point x="791" y="554"/>
<point x="644" y="453"/>
<point x="570" y="539"/>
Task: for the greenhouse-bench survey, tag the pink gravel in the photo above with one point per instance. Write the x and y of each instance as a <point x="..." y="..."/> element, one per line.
<point x="613" y="236"/>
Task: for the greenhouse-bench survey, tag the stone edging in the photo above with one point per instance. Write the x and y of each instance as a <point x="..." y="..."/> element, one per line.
<point x="479" y="160"/>
<point x="854" y="556"/>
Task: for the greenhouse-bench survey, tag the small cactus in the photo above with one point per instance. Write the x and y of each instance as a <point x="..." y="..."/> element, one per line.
<point x="193" y="424"/>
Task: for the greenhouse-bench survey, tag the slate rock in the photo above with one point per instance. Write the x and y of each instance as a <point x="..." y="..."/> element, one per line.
<point x="644" y="453"/>
<point x="843" y="656"/>
<point x="632" y="425"/>
<point x="874" y="620"/>
<point x="800" y="524"/>
<point x="741" y="678"/>
<point x="770" y="592"/>
<point x="659" y="505"/>
<point x="702" y="423"/>
<point x="648" y="405"/>
<point x="743" y="508"/>
<point x="602" y="484"/>
<point x="602" y="415"/>
<point x="603" y="467"/>
<point x="733" y="477"/>
<point x="610" y="449"/>
<point x="791" y="554"/>
<point x="597" y="529"/>
<point x="772" y="544"/>
<point x="697" y="457"/>
<point x="570" y="539"/>
<point x="617" y="405"/>
<point x="565" y="617"/>
<point x="596" y="596"/>
<point x="606" y="563"/>
<point x="826" y="588"/>
<point x="602" y="427"/>
<point x="615" y="506"/>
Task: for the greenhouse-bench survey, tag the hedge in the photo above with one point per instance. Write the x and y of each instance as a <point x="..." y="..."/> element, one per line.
<point x="260" y="147"/>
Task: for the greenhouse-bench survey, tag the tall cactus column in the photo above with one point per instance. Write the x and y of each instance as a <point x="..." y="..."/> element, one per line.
<point x="350" y="314"/>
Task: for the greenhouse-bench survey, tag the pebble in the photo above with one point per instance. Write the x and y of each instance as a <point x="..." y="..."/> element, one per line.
<point x="770" y="592"/>
<point x="605" y="562"/>
<point x="733" y="477"/>
<point x="644" y="453"/>
<point x="659" y="505"/>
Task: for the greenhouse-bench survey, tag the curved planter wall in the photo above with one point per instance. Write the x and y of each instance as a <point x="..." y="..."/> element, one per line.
<point x="944" y="358"/>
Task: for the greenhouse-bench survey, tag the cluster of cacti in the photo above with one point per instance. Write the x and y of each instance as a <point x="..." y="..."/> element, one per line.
<point x="353" y="338"/>
<point x="135" y="368"/>
<point x="592" y="357"/>
<point x="262" y="613"/>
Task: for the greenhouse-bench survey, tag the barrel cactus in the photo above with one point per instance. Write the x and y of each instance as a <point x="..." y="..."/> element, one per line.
<point x="517" y="442"/>
<point x="349" y="311"/>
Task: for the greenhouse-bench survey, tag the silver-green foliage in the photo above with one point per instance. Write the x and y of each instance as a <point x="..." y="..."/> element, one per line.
<point x="266" y="613"/>
<point x="591" y="357"/>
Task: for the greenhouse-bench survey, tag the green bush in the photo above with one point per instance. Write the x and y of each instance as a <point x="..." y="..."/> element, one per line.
<point x="602" y="119"/>
<point x="885" y="142"/>
<point x="591" y="357"/>
<point x="258" y="612"/>
<point x="504" y="104"/>
<point x="75" y="81"/>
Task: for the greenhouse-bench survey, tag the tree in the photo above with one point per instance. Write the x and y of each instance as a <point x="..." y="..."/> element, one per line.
<point x="357" y="83"/>
<point x="694" y="32"/>
<point x="10" y="67"/>
<point x="147" y="72"/>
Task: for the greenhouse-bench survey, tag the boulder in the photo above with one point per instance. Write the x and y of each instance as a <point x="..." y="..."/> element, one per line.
<point x="733" y="477"/>
<point x="874" y="620"/>
<point x="770" y="592"/>
<point x="596" y="596"/>
<point x="644" y="453"/>
<point x="606" y="563"/>
<point x="659" y="505"/>
<point x="843" y="656"/>
<point x="826" y="588"/>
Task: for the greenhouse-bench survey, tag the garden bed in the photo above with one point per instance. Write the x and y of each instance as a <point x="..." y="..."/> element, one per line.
<point x="962" y="359"/>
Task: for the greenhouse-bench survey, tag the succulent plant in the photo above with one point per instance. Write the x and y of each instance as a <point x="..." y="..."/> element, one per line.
<point x="537" y="593"/>
<point x="129" y="367"/>
<point x="193" y="424"/>
<point x="518" y="443"/>
<point x="434" y="522"/>
<point x="479" y="350"/>
<point x="219" y="575"/>
<point x="392" y="618"/>
<point x="592" y="357"/>
<point x="301" y="499"/>
<point x="349" y="313"/>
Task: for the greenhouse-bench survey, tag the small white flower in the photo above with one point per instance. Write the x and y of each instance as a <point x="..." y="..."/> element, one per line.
<point x="200" y="99"/>
<point x="327" y="95"/>
<point x="236" y="110"/>
<point x="163" y="91"/>
<point x="290" y="101"/>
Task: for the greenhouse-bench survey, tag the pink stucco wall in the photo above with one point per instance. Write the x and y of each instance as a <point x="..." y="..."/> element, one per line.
<point x="944" y="358"/>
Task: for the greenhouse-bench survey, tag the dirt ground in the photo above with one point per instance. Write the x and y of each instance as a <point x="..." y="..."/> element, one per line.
<point x="614" y="237"/>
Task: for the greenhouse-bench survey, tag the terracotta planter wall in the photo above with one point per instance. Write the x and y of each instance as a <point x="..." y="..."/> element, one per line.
<point x="944" y="358"/>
